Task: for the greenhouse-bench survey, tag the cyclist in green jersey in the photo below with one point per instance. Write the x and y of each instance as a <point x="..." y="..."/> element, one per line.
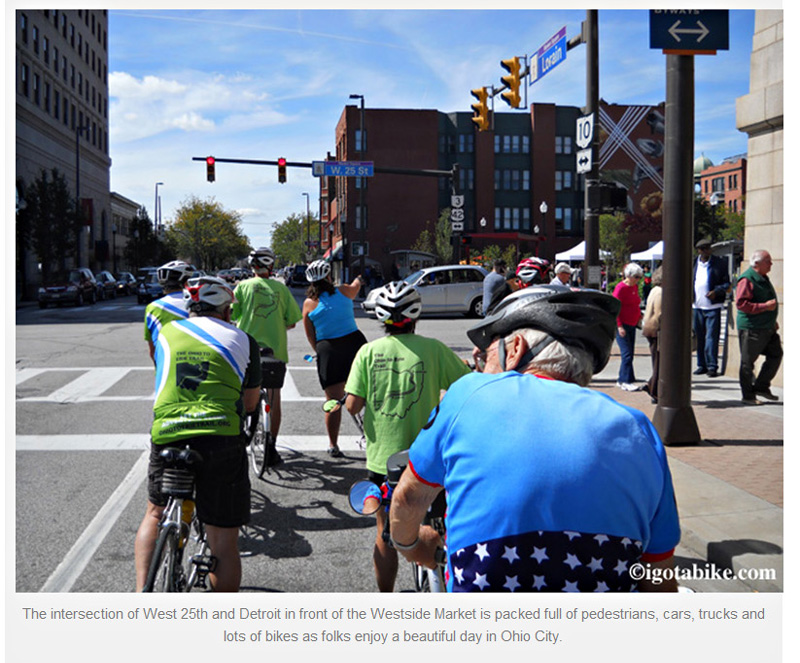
<point x="208" y="374"/>
<point x="266" y="309"/>
<point x="172" y="276"/>
<point x="398" y="380"/>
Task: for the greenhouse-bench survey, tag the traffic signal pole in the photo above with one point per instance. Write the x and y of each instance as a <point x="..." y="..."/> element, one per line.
<point x="591" y="218"/>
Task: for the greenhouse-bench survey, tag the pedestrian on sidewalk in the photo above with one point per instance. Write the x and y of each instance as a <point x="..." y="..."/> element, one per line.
<point x="627" y="291"/>
<point x="711" y="283"/>
<point x="757" y="322"/>
<point x="651" y="328"/>
<point x="495" y="286"/>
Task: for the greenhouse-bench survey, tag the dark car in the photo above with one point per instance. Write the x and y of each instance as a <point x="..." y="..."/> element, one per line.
<point x="296" y="276"/>
<point x="149" y="289"/>
<point x="106" y="285"/>
<point x="76" y="287"/>
<point x="126" y="284"/>
<point x="228" y="274"/>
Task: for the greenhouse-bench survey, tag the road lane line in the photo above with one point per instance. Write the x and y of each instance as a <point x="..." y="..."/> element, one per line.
<point x="89" y="385"/>
<point x="24" y="374"/>
<point x="81" y="553"/>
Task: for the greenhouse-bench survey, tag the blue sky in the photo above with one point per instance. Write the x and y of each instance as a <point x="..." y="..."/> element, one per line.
<point x="260" y="84"/>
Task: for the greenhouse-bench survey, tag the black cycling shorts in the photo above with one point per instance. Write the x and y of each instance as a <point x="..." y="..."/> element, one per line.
<point x="222" y="484"/>
<point x="335" y="356"/>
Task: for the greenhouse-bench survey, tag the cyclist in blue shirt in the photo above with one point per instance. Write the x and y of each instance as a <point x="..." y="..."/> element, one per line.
<point x="573" y="491"/>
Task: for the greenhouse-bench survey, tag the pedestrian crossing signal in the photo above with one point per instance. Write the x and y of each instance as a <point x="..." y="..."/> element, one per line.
<point x="210" y="161"/>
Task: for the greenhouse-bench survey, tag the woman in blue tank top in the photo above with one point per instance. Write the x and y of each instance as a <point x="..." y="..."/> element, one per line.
<point x="333" y="334"/>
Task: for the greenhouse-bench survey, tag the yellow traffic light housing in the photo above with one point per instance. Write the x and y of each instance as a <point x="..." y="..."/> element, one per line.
<point x="481" y="109"/>
<point x="512" y="81"/>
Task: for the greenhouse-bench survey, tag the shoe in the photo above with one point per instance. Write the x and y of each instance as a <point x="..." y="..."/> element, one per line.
<point x="713" y="374"/>
<point x="700" y="371"/>
<point x="750" y="401"/>
<point x="629" y="386"/>
<point x="273" y="457"/>
<point x="767" y="394"/>
<point x="335" y="452"/>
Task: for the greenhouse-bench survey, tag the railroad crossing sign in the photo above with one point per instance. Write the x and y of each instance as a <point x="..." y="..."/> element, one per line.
<point x="690" y="31"/>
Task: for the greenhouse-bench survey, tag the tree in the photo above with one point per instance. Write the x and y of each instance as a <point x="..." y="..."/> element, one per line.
<point x="206" y="234"/>
<point x="443" y="238"/>
<point x="614" y="239"/>
<point x="734" y="226"/>
<point x="709" y="220"/>
<point x="424" y="242"/>
<point x="49" y="221"/>
<point x="289" y="238"/>
<point x="493" y="252"/>
<point x="143" y="247"/>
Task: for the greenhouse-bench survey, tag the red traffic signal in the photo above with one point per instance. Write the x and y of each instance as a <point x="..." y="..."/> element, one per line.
<point x="210" y="161"/>
<point x="282" y="170"/>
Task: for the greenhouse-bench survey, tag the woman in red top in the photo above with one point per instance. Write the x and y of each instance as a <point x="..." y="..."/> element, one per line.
<point x="627" y="291"/>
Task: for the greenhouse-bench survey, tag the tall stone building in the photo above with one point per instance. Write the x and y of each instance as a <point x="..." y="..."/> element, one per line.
<point x="760" y="114"/>
<point x="62" y="121"/>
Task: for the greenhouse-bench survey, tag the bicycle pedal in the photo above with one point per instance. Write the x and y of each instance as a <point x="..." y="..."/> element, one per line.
<point x="205" y="564"/>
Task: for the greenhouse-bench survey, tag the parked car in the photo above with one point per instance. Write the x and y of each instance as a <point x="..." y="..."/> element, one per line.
<point x="76" y="287"/>
<point x="126" y="284"/>
<point x="106" y="285"/>
<point x="149" y="289"/>
<point x="444" y="289"/>
<point x="143" y="272"/>
<point x="296" y="276"/>
<point x="228" y="275"/>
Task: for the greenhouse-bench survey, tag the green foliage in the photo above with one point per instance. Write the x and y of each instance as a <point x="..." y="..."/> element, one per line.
<point x="443" y="238"/>
<point x="424" y="242"/>
<point x="493" y="252"/>
<point x="734" y="226"/>
<point x="206" y="234"/>
<point x="289" y="238"/>
<point x="143" y="248"/>
<point x="614" y="239"/>
<point x="49" y="224"/>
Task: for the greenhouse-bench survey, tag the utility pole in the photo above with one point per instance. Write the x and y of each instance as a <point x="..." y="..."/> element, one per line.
<point x="591" y="228"/>
<point x="363" y="230"/>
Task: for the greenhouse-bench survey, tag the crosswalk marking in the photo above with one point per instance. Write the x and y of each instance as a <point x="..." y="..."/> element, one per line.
<point x="93" y="382"/>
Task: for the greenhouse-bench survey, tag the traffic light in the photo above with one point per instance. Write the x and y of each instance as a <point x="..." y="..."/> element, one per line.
<point x="210" y="161"/>
<point x="607" y="196"/>
<point x="481" y="109"/>
<point x="512" y="81"/>
<point x="282" y="170"/>
<point x="466" y="240"/>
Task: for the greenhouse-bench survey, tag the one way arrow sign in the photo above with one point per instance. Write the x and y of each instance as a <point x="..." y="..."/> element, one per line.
<point x="583" y="161"/>
<point x="689" y="31"/>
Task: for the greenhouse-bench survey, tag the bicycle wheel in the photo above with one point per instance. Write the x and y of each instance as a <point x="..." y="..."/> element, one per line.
<point x="166" y="573"/>
<point x="260" y="437"/>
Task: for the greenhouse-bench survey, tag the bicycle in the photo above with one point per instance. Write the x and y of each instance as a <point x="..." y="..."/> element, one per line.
<point x="366" y="498"/>
<point x="182" y="559"/>
<point x="258" y="422"/>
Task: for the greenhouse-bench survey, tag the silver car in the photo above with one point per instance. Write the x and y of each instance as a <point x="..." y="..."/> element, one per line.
<point x="444" y="289"/>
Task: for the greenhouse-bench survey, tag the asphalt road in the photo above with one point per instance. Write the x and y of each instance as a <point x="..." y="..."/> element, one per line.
<point x="83" y="411"/>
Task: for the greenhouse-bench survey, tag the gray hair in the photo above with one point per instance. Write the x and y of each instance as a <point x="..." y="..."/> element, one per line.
<point x="557" y="360"/>
<point x="563" y="268"/>
<point x="632" y="269"/>
<point x="758" y="256"/>
<point x="658" y="275"/>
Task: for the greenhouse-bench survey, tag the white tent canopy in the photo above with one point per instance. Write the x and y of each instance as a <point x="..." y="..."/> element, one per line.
<point x="655" y="252"/>
<point x="577" y="252"/>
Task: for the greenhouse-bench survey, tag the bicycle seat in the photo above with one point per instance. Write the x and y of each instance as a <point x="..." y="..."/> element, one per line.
<point x="186" y="458"/>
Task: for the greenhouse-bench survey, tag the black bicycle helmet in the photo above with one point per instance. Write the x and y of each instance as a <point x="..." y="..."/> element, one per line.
<point x="397" y="302"/>
<point x="261" y="258"/>
<point x="578" y="317"/>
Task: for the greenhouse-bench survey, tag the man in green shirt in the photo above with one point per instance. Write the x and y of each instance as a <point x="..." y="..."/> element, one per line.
<point x="398" y="380"/>
<point x="266" y="309"/>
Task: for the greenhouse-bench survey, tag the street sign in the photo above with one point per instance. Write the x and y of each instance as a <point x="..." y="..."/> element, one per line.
<point x="583" y="160"/>
<point x="343" y="168"/>
<point x="457" y="201"/>
<point x="689" y="30"/>
<point x="457" y="227"/>
<point x="584" y="130"/>
<point x="550" y="54"/>
<point x="457" y="214"/>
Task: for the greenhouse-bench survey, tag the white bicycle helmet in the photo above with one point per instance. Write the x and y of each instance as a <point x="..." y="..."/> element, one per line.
<point x="207" y="293"/>
<point x="317" y="270"/>
<point x="397" y="302"/>
<point x="261" y="258"/>
<point x="174" y="272"/>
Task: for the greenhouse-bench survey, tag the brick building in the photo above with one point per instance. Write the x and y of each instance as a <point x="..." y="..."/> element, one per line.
<point x="504" y="174"/>
<point x="728" y="181"/>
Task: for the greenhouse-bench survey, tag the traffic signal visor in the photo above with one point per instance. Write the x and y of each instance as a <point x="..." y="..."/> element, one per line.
<point x="210" y="161"/>
<point x="512" y="81"/>
<point x="481" y="109"/>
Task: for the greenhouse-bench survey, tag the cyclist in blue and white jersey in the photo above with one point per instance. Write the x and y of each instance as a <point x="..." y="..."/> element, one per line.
<point x="208" y="375"/>
<point x="550" y="486"/>
<point x="172" y="276"/>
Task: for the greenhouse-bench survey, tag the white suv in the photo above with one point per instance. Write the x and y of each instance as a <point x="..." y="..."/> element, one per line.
<point x="444" y="289"/>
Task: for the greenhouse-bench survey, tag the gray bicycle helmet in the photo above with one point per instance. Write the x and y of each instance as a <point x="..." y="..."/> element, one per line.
<point x="317" y="270"/>
<point x="581" y="318"/>
<point x="261" y="258"/>
<point x="397" y="302"/>
<point x="174" y="272"/>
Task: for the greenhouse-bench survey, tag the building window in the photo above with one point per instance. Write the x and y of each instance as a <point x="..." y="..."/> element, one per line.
<point x="526" y="180"/>
<point x="718" y="185"/>
<point x="361" y="182"/>
<point x="506" y="180"/>
<point x="65" y="114"/>
<point x="466" y="143"/>
<point x="23" y="26"/>
<point x="56" y="104"/>
<point x="567" y="218"/>
<point x="526" y="218"/>
<point x="515" y="180"/>
<point x="563" y="145"/>
<point x="506" y="218"/>
<point x="80" y="83"/>
<point x="359" y="146"/>
<point x="23" y="80"/>
<point x="563" y="180"/>
<point x="559" y="219"/>
<point x="72" y="75"/>
<point x="46" y="50"/>
<point x="72" y="126"/>
<point x="80" y="44"/>
<point x="35" y="34"/>
<point x="64" y="25"/>
<point x="515" y="144"/>
<point x="359" y="209"/>
<point x="55" y="60"/>
<point x="72" y="35"/>
<point x="47" y="97"/>
<point x="36" y="84"/>
<point x="526" y="145"/>
<point x="515" y="218"/>
<point x="507" y="144"/>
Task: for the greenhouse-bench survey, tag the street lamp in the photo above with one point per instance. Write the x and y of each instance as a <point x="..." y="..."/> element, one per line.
<point x="361" y="142"/>
<point x="157" y="209"/>
<point x="308" y="227"/>
<point x="543" y="210"/>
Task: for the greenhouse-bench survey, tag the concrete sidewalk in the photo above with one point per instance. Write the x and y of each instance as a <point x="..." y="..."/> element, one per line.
<point x="729" y="488"/>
